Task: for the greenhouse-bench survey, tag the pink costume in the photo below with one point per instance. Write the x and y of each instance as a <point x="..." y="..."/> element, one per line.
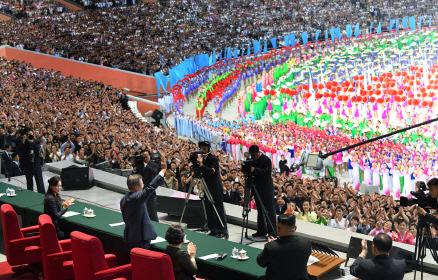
<point x="356" y="114"/>
<point x="330" y="109"/>
<point x="319" y="111"/>
<point x="384" y="115"/>
<point x="270" y="106"/>
<point x="284" y="105"/>
<point x="337" y="106"/>
<point x="343" y="112"/>
<point x="375" y="107"/>
<point x="349" y="105"/>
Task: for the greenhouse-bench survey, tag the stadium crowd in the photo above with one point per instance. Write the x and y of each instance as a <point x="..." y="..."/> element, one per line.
<point x="147" y="38"/>
<point x="85" y="120"/>
<point x="31" y="8"/>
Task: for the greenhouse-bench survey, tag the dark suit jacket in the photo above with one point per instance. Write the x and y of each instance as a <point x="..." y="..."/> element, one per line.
<point x="53" y="209"/>
<point x="286" y="258"/>
<point x="232" y="198"/>
<point x="280" y="210"/>
<point x="183" y="268"/>
<point x="262" y="176"/>
<point x="7" y="163"/>
<point x="15" y="170"/>
<point x="382" y="267"/>
<point x="23" y="150"/>
<point x="212" y="175"/>
<point x="138" y="226"/>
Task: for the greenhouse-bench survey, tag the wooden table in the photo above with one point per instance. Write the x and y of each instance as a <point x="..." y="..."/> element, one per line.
<point x="326" y="263"/>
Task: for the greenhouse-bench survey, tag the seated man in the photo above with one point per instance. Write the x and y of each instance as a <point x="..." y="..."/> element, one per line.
<point x="286" y="257"/>
<point x="382" y="266"/>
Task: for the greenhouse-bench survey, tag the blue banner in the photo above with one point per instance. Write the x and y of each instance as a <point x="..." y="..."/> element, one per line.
<point x="249" y="50"/>
<point x="235" y="53"/>
<point x="379" y="28"/>
<point x="317" y="34"/>
<point x="292" y="39"/>
<point x="338" y="33"/>
<point x="286" y="41"/>
<point x="348" y="29"/>
<point x="412" y="23"/>
<point x="405" y="23"/>
<point x="326" y="34"/>
<point x="159" y="82"/>
<point x="430" y="21"/>
<point x="265" y="48"/>
<point x="419" y="23"/>
<point x="391" y="24"/>
<point x="371" y="27"/>
<point x="304" y="37"/>
<point x="332" y="33"/>
<point x="274" y="43"/>
<point x="396" y="25"/>
<point x="357" y="30"/>
<point x="229" y="53"/>
<point x="214" y="58"/>
<point x="165" y="81"/>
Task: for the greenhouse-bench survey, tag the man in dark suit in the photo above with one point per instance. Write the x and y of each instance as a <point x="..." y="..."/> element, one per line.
<point x="230" y="196"/>
<point x="139" y="230"/>
<point x="261" y="170"/>
<point x="148" y="171"/>
<point x="6" y="160"/>
<point x="209" y="168"/>
<point x="15" y="169"/>
<point x="286" y="257"/>
<point x="28" y="148"/>
<point x="382" y="267"/>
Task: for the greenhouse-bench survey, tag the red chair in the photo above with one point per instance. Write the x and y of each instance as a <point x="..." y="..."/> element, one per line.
<point x="20" y="250"/>
<point x="159" y="265"/>
<point x="56" y="255"/>
<point x="90" y="263"/>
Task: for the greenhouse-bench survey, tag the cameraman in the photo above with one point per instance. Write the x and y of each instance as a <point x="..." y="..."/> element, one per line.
<point x="261" y="169"/>
<point x="148" y="171"/>
<point x="433" y="192"/>
<point x="28" y="149"/>
<point x="209" y="168"/>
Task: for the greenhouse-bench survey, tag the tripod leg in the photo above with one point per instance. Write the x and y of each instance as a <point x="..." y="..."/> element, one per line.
<point x="265" y="212"/>
<point x="187" y="200"/>
<point x="210" y="199"/>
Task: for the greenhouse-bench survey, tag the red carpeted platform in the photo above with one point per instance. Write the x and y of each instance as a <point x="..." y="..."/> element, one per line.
<point x="6" y="273"/>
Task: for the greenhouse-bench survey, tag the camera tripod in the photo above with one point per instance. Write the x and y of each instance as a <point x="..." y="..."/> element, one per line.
<point x="245" y="211"/>
<point x="207" y="195"/>
<point x="423" y="241"/>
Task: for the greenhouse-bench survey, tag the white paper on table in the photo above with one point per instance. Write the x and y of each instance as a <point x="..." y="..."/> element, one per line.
<point x="212" y="256"/>
<point x="312" y="260"/>
<point x="158" y="240"/>
<point x="70" y="213"/>
<point x="117" y="224"/>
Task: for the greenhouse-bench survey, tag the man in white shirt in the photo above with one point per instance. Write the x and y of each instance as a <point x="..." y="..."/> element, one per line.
<point x="68" y="155"/>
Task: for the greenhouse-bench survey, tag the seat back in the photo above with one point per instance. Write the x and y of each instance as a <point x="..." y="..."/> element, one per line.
<point x="10" y="225"/>
<point x="159" y="265"/>
<point x="88" y="255"/>
<point x="49" y="239"/>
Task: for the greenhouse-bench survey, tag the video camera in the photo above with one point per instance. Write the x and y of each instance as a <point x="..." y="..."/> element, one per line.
<point x="194" y="159"/>
<point x="23" y="130"/>
<point x="247" y="163"/>
<point x="420" y="197"/>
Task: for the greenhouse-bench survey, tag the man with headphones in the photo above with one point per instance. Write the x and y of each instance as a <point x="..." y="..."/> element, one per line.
<point x="209" y="168"/>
